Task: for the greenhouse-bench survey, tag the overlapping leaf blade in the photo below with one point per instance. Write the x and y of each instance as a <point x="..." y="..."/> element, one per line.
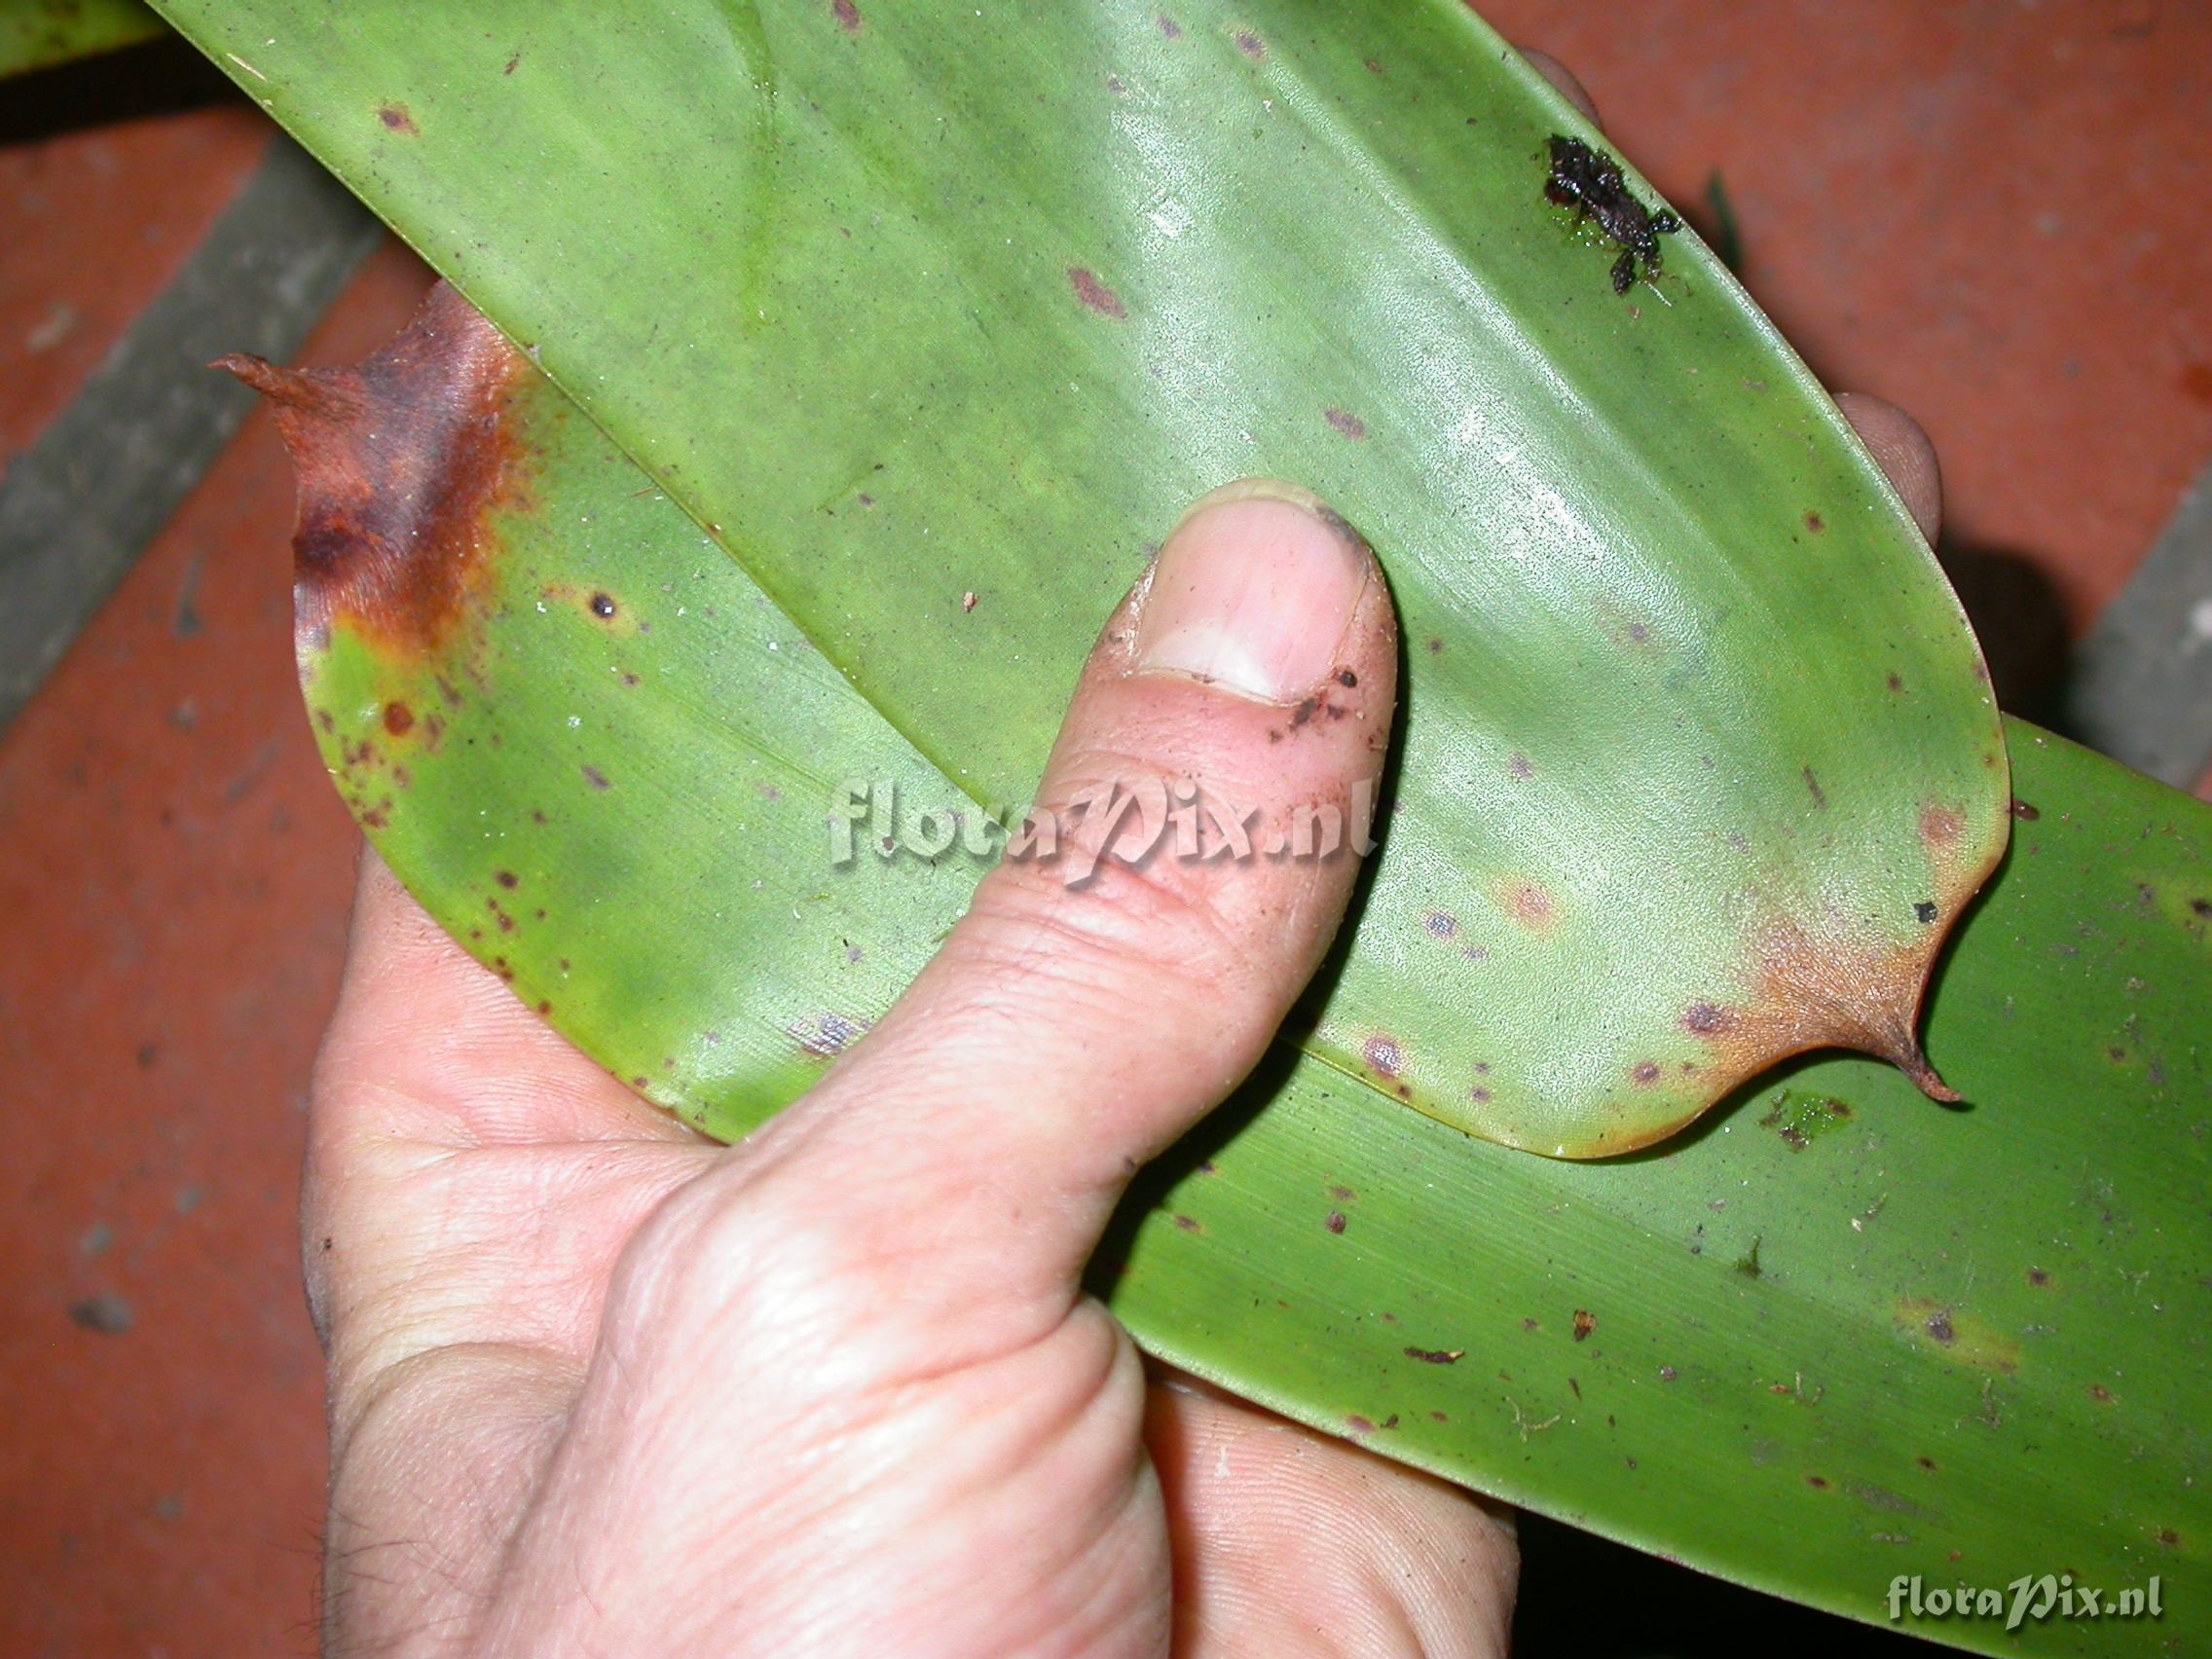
<point x="1838" y="1335"/>
<point x="904" y="304"/>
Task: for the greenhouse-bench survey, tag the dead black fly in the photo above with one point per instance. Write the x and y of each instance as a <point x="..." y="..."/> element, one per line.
<point x="1590" y="182"/>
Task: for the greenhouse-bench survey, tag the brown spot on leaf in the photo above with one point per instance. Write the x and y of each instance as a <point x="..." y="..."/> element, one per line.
<point x="1348" y="425"/>
<point x="2038" y="1278"/>
<point x="1584" y="1323"/>
<point x="401" y="463"/>
<point x="2025" y="813"/>
<point x="1095" y="294"/>
<point x="2100" y="1393"/>
<point x="1960" y="1336"/>
<point x="1441" y="924"/>
<point x="1813" y="788"/>
<point x="1645" y="1072"/>
<point x="395" y="119"/>
<point x="1817" y="1483"/>
<point x="1335" y="1221"/>
<point x="603" y="605"/>
<point x="1169" y="27"/>
<point x="1815" y="523"/>
<point x="507" y="879"/>
<point x="847" y="13"/>
<point x="1436" y="1356"/>
<point x="1896" y="682"/>
<point x="826" y="1036"/>
<point x="1249" y="44"/>
<point x="1530" y="905"/>
<point x="1383" y="1056"/>
<point x="1706" y="1019"/>
<point x="596" y="777"/>
<point x="398" y="719"/>
<point x="1940" y="826"/>
<point x="1187" y="1224"/>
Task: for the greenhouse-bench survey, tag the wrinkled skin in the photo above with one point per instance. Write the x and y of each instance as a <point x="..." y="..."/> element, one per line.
<point x="600" y="1386"/>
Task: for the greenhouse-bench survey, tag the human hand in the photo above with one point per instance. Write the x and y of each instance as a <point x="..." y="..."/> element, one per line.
<point x="600" y="1386"/>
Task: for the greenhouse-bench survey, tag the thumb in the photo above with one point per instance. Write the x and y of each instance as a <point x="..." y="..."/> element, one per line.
<point x="1210" y="790"/>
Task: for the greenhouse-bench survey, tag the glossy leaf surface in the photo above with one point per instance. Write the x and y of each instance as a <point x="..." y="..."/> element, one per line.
<point x="1833" y="1334"/>
<point x="908" y="303"/>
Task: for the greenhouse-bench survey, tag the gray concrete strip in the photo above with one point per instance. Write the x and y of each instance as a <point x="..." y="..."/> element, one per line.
<point x="81" y="504"/>
<point x="2142" y="685"/>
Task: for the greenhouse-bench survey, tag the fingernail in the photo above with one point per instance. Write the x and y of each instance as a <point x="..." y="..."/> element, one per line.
<point x="1253" y="592"/>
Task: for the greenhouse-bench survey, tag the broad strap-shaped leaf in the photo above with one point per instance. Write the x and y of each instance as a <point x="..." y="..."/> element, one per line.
<point x="1836" y="1336"/>
<point x="905" y="303"/>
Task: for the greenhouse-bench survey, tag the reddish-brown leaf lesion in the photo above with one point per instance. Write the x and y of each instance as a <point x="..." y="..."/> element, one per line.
<point x="401" y="464"/>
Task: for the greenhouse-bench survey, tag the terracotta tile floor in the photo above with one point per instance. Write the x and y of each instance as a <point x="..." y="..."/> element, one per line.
<point x="1984" y="212"/>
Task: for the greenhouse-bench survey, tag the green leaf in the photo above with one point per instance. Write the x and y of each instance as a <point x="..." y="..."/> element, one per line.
<point x="907" y="303"/>
<point x="1820" y="1341"/>
<point x="1834" y="1335"/>
<point x="38" y="34"/>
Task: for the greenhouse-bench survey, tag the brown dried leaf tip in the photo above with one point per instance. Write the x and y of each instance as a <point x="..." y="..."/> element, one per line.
<point x="1817" y="993"/>
<point x="400" y="462"/>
